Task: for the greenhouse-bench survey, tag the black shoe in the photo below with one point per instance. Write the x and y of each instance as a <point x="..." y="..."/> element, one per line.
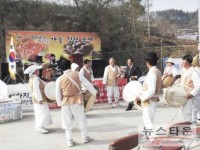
<point x="130" y="106"/>
<point x="127" y="109"/>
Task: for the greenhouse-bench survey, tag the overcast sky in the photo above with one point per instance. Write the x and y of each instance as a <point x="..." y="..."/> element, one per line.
<point x="185" y="5"/>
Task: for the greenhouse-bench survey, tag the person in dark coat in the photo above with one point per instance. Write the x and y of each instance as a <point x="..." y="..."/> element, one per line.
<point x="53" y="62"/>
<point x="132" y="73"/>
<point x="64" y="63"/>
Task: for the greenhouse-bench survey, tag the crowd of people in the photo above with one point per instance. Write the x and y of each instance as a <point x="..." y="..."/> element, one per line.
<point x="72" y="100"/>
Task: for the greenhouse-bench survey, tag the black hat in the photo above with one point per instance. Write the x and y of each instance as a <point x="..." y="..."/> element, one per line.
<point x="38" y="59"/>
<point x="151" y="56"/>
<point x="52" y="55"/>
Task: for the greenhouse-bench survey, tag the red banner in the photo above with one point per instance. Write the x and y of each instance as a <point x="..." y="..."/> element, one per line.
<point x="102" y="97"/>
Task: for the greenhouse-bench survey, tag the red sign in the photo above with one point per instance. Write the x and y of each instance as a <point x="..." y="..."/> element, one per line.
<point x="102" y="96"/>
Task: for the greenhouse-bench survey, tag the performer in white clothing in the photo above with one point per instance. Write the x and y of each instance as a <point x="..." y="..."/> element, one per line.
<point x="170" y="69"/>
<point x="196" y="112"/>
<point x="111" y="74"/>
<point x="86" y="70"/>
<point x="41" y="108"/>
<point x="148" y="99"/>
<point x="190" y="79"/>
<point x="69" y="97"/>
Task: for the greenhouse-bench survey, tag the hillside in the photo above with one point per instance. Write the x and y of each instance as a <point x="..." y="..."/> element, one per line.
<point x="168" y="22"/>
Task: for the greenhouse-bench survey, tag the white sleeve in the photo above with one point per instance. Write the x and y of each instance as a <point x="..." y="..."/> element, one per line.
<point x="165" y="70"/>
<point x="174" y="72"/>
<point x="105" y="75"/>
<point x="87" y="85"/>
<point x="92" y="76"/>
<point x="58" y="92"/>
<point x="118" y="69"/>
<point x="195" y="79"/>
<point x="82" y="71"/>
<point x="36" y="89"/>
<point x="151" y="82"/>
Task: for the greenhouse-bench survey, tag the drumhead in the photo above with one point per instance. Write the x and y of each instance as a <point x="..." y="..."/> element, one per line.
<point x="141" y="79"/>
<point x="176" y="96"/>
<point x="131" y="91"/>
<point x="177" y="81"/>
<point x="49" y="90"/>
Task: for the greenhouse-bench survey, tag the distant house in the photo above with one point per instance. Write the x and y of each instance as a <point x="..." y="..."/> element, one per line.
<point x="187" y="34"/>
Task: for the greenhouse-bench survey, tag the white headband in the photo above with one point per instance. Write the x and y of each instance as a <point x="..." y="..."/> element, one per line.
<point x="74" y="66"/>
<point x="31" y="69"/>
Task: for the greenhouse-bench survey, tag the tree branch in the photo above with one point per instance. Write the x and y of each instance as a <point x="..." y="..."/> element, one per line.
<point x="76" y="2"/>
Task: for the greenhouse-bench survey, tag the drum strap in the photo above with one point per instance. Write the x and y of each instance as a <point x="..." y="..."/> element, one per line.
<point x="74" y="82"/>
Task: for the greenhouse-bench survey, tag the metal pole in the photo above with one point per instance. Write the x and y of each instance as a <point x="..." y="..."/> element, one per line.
<point x="161" y="54"/>
<point x="199" y="26"/>
<point x="148" y="18"/>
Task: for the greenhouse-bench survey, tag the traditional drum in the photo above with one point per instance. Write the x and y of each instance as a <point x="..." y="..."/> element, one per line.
<point x="45" y="66"/>
<point x="131" y="91"/>
<point x="49" y="90"/>
<point x="176" y="96"/>
<point x="177" y="82"/>
<point x="167" y="81"/>
<point x="141" y="79"/>
<point x="90" y="103"/>
<point x="86" y="96"/>
<point x="89" y="100"/>
<point x="47" y="74"/>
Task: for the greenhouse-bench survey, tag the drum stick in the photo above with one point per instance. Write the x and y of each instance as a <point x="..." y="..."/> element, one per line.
<point x="138" y="107"/>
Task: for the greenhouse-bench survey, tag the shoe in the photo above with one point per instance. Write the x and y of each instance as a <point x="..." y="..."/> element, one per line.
<point x="70" y="143"/>
<point x="42" y="130"/>
<point x="110" y="105"/>
<point x="128" y="109"/>
<point x="130" y="106"/>
<point x="87" y="139"/>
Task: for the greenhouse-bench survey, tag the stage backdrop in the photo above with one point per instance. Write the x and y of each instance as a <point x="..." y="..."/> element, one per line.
<point x="30" y="43"/>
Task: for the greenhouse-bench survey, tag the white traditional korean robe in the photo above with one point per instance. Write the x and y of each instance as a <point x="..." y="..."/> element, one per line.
<point x="73" y="114"/>
<point x="88" y="71"/>
<point x="112" y="91"/>
<point x="171" y="70"/>
<point x="189" y="110"/>
<point x="42" y="113"/>
<point x="196" y="112"/>
<point x="150" y="110"/>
